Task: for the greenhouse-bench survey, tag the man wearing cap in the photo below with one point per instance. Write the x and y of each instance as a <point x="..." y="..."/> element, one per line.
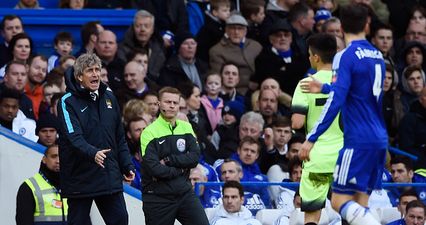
<point x="237" y="49"/>
<point x="47" y="129"/>
<point x="279" y="61"/>
<point x="184" y="66"/>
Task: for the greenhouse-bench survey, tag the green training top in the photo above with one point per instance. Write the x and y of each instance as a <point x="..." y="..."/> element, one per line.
<point x="324" y="154"/>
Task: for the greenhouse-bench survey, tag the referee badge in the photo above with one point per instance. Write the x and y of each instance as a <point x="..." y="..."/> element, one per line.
<point x="181" y="144"/>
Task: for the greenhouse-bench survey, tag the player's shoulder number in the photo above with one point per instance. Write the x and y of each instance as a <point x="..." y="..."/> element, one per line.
<point x="377" y="85"/>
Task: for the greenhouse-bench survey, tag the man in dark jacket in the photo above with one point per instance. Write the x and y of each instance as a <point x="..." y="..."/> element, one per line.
<point x="169" y="150"/>
<point x="93" y="152"/>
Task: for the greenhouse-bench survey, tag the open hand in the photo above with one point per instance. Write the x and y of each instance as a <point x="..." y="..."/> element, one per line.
<point x="101" y="156"/>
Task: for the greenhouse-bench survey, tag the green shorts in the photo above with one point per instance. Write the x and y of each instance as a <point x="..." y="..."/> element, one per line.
<point x="314" y="189"/>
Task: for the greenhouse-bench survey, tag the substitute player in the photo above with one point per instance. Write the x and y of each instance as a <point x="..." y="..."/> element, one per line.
<point x="319" y="163"/>
<point x="357" y="93"/>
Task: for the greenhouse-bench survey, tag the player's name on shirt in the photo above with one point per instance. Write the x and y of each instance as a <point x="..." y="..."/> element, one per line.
<point x="368" y="53"/>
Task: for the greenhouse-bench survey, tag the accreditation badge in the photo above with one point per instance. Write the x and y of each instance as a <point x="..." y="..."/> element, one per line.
<point x="56" y="203"/>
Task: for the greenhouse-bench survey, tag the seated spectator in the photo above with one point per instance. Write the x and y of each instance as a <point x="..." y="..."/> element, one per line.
<point x="412" y="131"/>
<point x="415" y="214"/>
<point x="14" y="119"/>
<point x="211" y="102"/>
<point x="275" y="10"/>
<point x="321" y="16"/>
<point x="38" y="200"/>
<point x="231" y="170"/>
<point x="47" y="128"/>
<point x="141" y="35"/>
<point x="209" y="196"/>
<point x="382" y="39"/>
<point x="279" y="60"/>
<point x="135" y="83"/>
<point x="136" y="108"/>
<point x="20" y="48"/>
<point x="230" y="79"/>
<point x="141" y="56"/>
<point x="333" y="26"/>
<point x="66" y="61"/>
<point x="184" y="66"/>
<point x="413" y="81"/>
<point x="49" y="89"/>
<point x="10" y="26"/>
<point x="233" y="211"/>
<point x="413" y="54"/>
<point x="418" y="15"/>
<point x="37" y="73"/>
<point x="225" y="137"/>
<point x="254" y="12"/>
<point x="268" y="106"/>
<point x="28" y="4"/>
<point x="286" y="194"/>
<point x="72" y="4"/>
<point x="284" y="100"/>
<point x="106" y="50"/>
<point x="406" y="197"/>
<point x="214" y="27"/>
<point x="402" y="172"/>
<point x="234" y="47"/>
<point x="247" y="153"/>
<point x="150" y="99"/>
<point x="16" y="78"/>
<point x="63" y="44"/>
<point x="89" y="36"/>
<point x="54" y="103"/>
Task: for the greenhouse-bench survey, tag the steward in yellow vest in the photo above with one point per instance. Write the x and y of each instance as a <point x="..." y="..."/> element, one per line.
<point x="38" y="200"/>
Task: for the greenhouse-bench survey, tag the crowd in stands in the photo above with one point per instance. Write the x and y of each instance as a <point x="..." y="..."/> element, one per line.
<point x="236" y="64"/>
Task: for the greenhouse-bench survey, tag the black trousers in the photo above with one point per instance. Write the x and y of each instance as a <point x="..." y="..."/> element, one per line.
<point x="187" y="209"/>
<point x="112" y="208"/>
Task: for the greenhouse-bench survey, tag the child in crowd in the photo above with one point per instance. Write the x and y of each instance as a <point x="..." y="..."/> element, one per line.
<point x="211" y="101"/>
<point x="49" y="89"/>
<point x="63" y="47"/>
<point x="254" y="12"/>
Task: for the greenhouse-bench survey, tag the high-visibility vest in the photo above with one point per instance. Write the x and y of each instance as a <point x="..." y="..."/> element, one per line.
<point x="48" y="202"/>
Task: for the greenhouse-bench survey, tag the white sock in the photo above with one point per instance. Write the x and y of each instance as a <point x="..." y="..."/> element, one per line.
<point x="356" y="214"/>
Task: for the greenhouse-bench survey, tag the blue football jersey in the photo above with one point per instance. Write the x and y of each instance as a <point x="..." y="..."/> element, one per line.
<point x="359" y="72"/>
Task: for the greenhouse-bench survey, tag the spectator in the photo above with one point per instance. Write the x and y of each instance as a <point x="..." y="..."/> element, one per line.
<point x="235" y="48"/>
<point x="106" y="49"/>
<point x="49" y="89"/>
<point x="276" y="10"/>
<point x="231" y="170"/>
<point x="37" y="72"/>
<point x="333" y="26"/>
<point x="321" y="16"/>
<point x="47" y="128"/>
<point x="230" y="79"/>
<point x="415" y="214"/>
<point x="402" y="172"/>
<point x="63" y="44"/>
<point x="211" y="101"/>
<point x="268" y="105"/>
<point x="38" y="199"/>
<point x="66" y="61"/>
<point x="214" y="27"/>
<point x="54" y="103"/>
<point x="254" y="12"/>
<point x="166" y="166"/>
<point x="141" y="35"/>
<point x="20" y="48"/>
<point x="14" y="119"/>
<point x="301" y="19"/>
<point x="89" y="36"/>
<point x="418" y="15"/>
<point x="92" y="141"/>
<point x="414" y="53"/>
<point x="412" y="131"/>
<point x="135" y="83"/>
<point x="233" y="211"/>
<point x="136" y="108"/>
<point x="382" y="39"/>
<point x="284" y="100"/>
<point x="10" y="26"/>
<point x="140" y="56"/>
<point x="414" y="32"/>
<point x="279" y="60"/>
<point x="184" y="66"/>
<point x="413" y="81"/>
<point x="209" y="197"/>
<point x="16" y="78"/>
<point x="406" y="197"/>
<point x="151" y="100"/>
<point x="28" y="4"/>
<point x="72" y="4"/>
<point x="286" y="195"/>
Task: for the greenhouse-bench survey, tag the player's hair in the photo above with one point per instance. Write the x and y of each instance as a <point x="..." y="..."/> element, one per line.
<point x="293" y="164"/>
<point x="253" y="117"/>
<point x="408" y="163"/>
<point x="222" y="68"/>
<point x="297" y="138"/>
<point x="7" y="18"/>
<point x="251" y="7"/>
<point x="281" y="121"/>
<point x="415" y="204"/>
<point x="84" y="61"/>
<point x="354" y="18"/>
<point x="216" y="4"/>
<point x="297" y="11"/>
<point x="233" y="184"/>
<point x="324" y="45"/>
<point x="380" y="26"/>
<point x="238" y="165"/>
<point x="143" y="14"/>
<point x="408" y="192"/>
<point x="88" y="29"/>
<point x="166" y="89"/>
<point x="251" y="141"/>
<point x="63" y="36"/>
<point x="9" y="64"/>
<point x="10" y="93"/>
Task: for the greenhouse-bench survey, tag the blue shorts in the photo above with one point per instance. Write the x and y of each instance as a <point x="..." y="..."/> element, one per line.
<point x="358" y="170"/>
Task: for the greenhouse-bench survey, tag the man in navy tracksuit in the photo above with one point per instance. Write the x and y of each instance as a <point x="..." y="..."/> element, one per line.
<point x="93" y="152"/>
